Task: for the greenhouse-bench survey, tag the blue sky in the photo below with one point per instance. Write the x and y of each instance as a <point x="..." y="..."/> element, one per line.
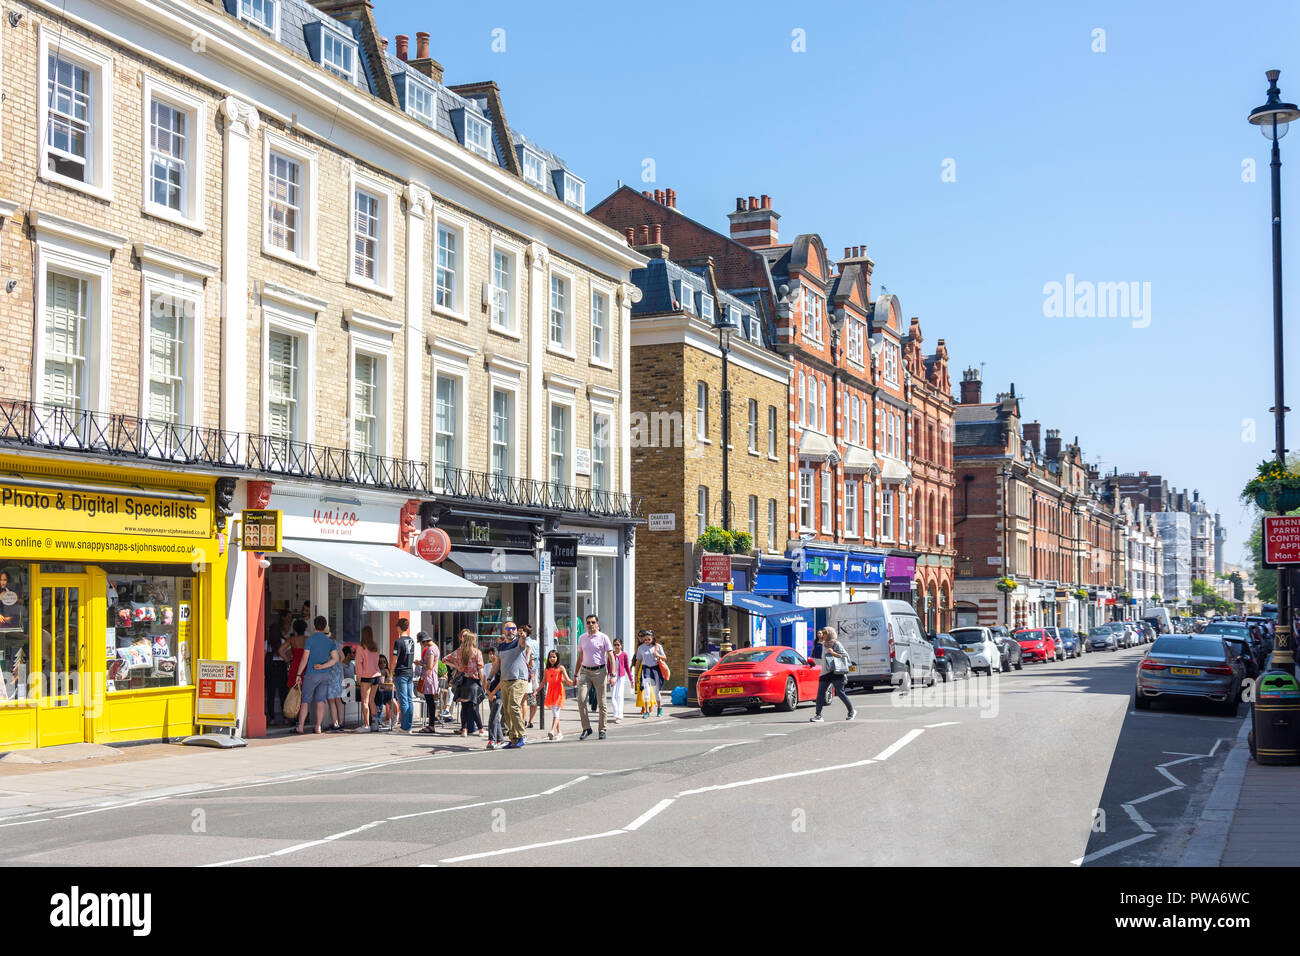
<point x="1115" y="166"/>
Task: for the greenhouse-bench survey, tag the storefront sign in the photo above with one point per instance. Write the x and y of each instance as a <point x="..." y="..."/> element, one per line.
<point x="1282" y="539"/>
<point x="821" y="567"/>
<point x="865" y="569"/>
<point x="715" y="568"/>
<point x="900" y="572"/>
<point x="77" y="546"/>
<point x="90" y="512"/>
<point x="433" y="545"/>
<point x="218" y="685"/>
<point x="663" y="522"/>
<point x="260" y="531"/>
<point x="564" y="551"/>
<point x="592" y="537"/>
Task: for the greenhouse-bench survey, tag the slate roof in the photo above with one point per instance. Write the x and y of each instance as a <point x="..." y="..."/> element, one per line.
<point x="658" y="282"/>
<point x="977" y="433"/>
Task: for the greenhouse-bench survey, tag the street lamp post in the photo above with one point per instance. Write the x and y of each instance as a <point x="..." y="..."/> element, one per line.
<point x="725" y="327"/>
<point x="1273" y="119"/>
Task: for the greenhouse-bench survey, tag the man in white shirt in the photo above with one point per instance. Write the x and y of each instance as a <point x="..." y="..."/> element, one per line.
<point x="596" y="660"/>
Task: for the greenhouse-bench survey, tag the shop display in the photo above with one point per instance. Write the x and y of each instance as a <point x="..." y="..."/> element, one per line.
<point x="143" y="622"/>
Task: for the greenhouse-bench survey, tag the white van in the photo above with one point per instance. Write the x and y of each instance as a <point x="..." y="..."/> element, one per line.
<point x="1159" y="619"/>
<point x="885" y="643"/>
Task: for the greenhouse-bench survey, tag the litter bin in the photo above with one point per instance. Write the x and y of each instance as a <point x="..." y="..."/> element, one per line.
<point x="697" y="666"/>
<point x="1275" y="719"/>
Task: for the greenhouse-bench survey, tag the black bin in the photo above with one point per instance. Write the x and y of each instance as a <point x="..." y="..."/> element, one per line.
<point x="1275" y="716"/>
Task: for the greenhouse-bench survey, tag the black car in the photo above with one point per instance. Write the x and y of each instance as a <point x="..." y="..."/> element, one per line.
<point x="1242" y="650"/>
<point x="950" y="661"/>
<point x="1012" y="654"/>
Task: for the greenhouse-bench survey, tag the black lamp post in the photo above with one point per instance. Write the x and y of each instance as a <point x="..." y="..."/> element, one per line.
<point x="1272" y="119"/>
<point x="724" y="326"/>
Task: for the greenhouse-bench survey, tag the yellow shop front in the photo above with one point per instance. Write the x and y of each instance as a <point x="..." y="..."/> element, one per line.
<point x="110" y="591"/>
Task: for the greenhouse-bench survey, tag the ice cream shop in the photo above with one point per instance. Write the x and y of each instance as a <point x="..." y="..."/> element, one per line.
<point x="107" y="600"/>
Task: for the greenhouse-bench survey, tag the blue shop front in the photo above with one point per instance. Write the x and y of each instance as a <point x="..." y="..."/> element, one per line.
<point x="826" y="577"/>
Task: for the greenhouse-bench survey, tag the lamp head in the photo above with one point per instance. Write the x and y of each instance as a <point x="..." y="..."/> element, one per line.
<point x="1274" y="116"/>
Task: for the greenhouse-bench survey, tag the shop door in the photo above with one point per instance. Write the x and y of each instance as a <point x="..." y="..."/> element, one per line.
<point x="60" y="658"/>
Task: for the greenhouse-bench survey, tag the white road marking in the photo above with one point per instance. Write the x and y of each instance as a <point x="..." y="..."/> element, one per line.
<point x="738" y="743"/>
<point x="650" y="814"/>
<point x="946" y="723"/>
<point x="24" y="822"/>
<point x="532" y="846"/>
<point x="1152" y="796"/>
<point x="899" y="744"/>
<point x="779" y="776"/>
<point x="547" y="793"/>
<point x="1137" y="817"/>
<point x="1111" y="849"/>
<point x="776" y="735"/>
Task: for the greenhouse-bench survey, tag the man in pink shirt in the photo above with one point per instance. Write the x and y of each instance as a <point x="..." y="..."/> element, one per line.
<point x="596" y="653"/>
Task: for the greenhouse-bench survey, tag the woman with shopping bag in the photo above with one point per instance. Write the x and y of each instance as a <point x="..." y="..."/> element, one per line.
<point x="650" y="675"/>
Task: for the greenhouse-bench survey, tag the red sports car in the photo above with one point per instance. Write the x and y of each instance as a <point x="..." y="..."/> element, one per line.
<point x="1036" y="645"/>
<point x="755" y="676"/>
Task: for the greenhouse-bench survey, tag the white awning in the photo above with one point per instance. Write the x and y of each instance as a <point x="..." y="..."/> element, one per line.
<point x="860" y="461"/>
<point x="815" y="445"/>
<point x="895" y="470"/>
<point x="391" y="579"/>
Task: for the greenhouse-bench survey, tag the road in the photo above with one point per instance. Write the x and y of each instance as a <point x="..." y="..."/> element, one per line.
<point x="1007" y="770"/>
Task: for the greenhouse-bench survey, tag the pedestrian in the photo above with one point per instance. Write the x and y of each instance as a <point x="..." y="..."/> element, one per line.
<point x="492" y="674"/>
<point x="404" y="671"/>
<point x="277" y="670"/>
<point x="292" y="650"/>
<point x="467" y="661"/>
<point x="312" y="675"/>
<point x="335" y="691"/>
<point x="534" y="661"/>
<point x="649" y="678"/>
<point x="368" y="678"/>
<point x="447" y="679"/>
<point x="555" y="677"/>
<point x="620" y="680"/>
<point x="596" y="657"/>
<point x="386" y="697"/>
<point x="515" y="664"/>
<point x="431" y="662"/>
<point x="834" y="664"/>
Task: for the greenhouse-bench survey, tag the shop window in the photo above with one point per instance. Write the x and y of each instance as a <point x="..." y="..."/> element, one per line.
<point x="150" y="627"/>
<point x="15" y="636"/>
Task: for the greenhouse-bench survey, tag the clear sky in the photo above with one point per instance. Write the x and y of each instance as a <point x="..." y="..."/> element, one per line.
<point x="1117" y="166"/>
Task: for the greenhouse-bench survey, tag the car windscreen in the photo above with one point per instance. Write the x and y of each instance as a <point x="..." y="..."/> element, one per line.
<point x="1030" y="635"/>
<point x="1237" y="630"/>
<point x="968" y="635"/>
<point x="1188" y="647"/>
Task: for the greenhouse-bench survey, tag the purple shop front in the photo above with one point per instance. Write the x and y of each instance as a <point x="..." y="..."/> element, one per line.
<point x="899" y="572"/>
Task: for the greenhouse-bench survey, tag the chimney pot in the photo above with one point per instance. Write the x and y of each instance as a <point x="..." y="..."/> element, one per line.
<point x="753" y="202"/>
<point x="403" y="46"/>
<point x="657" y="234"/>
<point x="847" y="251"/>
<point x="631" y="235"/>
<point x="740" y="204"/>
<point x="648" y="194"/>
<point x="643" y="235"/>
<point x="422" y="45"/>
<point x="766" y="202"/>
<point x="671" y="196"/>
<point x="659" y="196"/>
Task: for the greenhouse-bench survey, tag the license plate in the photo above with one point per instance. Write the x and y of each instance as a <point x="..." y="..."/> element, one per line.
<point x="1185" y="671"/>
<point x="723" y="691"/>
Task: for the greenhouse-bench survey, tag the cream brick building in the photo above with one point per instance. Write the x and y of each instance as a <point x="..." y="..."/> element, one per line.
<point x="294" y="259"/>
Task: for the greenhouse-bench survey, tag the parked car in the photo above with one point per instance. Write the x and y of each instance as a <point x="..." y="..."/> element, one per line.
<point x="950" y="661"/>
<point x="1009" y="648"/>
<point x="1258" y="649"/>
<point x="1189" y="667"/>
<point x="885" y="643"/>
<point x="1242" y="650"/>
<point x="980" y="646"/>
<point x="1036" y="644"/>
<point x="1058" y="644"/>
<point x="1103" y="637"/>
<point x="1069" y="641"/>
<point x="754" y="676"/>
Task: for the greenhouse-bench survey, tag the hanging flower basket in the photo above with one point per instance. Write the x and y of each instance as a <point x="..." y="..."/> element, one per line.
<point x="1275" y="488"/>
<point x="1006" y="585"/>
<point x="1081" y="593"/>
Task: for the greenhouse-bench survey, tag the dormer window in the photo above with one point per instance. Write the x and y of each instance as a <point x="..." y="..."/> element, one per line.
<point x="685" y="295"/>
<point x="333" y="49"/>
<point x="474" y="131"/>
<point x="572" y="190"/>
<point x="706" y="308"/>
<point x="258" y="13"/>
<point x="417" y="98"/>
<point x="534" y="167"/>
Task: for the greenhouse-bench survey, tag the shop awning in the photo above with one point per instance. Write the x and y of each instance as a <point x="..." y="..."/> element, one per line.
<point x="778" y="613"/>
<point x="504" y="567"/>
<point x="391" y="579"/>
<point x="860" y="461"/>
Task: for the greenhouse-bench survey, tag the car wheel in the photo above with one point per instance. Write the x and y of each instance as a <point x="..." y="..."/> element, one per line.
<point x="1140" y="702"/>
<point x="947" y="675"/>
<point x="905" y="685"/>
<point x="1229" y="706"/>
<point x="931" y="682"/>
<point x="828" y="695"/>
<point x="1020" y="664"/>
<point x="710" y="710"/>
<point x="791" y="699"/>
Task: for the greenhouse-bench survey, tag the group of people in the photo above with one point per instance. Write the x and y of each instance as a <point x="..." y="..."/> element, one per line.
<point x="508" y="677"/>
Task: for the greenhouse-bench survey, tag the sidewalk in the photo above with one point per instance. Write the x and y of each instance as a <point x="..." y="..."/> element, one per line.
<point x="150" y="771"/>
<point x="1252" y="817"/>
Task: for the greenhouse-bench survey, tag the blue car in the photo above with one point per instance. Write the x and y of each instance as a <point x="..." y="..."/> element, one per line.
<point x="1068" y="644"/>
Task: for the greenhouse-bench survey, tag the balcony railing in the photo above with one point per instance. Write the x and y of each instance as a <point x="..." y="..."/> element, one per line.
<point x="27" y="424"/>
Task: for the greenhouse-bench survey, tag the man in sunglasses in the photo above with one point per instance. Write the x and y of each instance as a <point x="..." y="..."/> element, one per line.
<point x="597" y="660"/>
<point x="512" y="664"/>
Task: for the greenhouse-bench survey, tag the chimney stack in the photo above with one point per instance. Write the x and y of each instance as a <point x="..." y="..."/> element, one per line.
<point x="659" y="196"/>
<point x="1053" y="446"/>
<point x="422" y="62"/>
<point x="670" y="197"/>
<point x="422" y="46"/>
<point x="753" y="224"/>
<point x="403" y="48"/>
<point x="1033" y="432"/>
<point x="970" y="387"/>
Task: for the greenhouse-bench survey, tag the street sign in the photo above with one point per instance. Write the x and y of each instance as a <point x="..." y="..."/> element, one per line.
<point x="260" y="531"/>
<point x="728" y="598"/>
<point x="547" y="579"/>
<point x="218" y="685"/>
<point x="715" y="568"/>
<point x="1282" y="539"/>
<point x="663" y="522"/>
<point x="694" y="595"/>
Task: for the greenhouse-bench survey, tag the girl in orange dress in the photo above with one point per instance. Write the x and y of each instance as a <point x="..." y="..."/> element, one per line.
<point x="556" y="678"/>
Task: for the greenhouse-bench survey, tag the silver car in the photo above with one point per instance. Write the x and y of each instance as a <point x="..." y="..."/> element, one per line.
<point x="1103" y="638"/>
<point x="1189" y="666"/>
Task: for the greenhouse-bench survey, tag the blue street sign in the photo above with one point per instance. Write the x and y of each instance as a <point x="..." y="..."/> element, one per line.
<point x="694" y="595"/>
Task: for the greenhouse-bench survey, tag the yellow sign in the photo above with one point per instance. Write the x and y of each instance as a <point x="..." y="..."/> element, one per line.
<point x="260" y="531"/>
<point x="89" y="511"/>
<point x="76" y="546"/>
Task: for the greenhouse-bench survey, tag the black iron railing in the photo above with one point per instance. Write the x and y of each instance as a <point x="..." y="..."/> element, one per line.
<point x="32" y="425"/>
